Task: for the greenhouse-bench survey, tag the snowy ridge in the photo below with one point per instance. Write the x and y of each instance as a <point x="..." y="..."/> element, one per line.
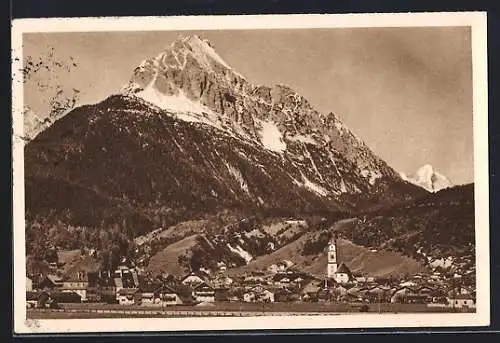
<point x="177" y="103"/>
<point x="428" y="178"/>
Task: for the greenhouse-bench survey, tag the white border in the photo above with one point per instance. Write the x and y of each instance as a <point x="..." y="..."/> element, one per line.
<point x="477" y="22"/>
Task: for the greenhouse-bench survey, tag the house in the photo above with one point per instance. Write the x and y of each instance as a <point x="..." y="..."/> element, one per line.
<point x="29" y="284"/>
<point x="357" y="292"/>
<point x="166" y="295"/>
<point x="76" y="282"/>
<point x="128" y="276"/>
<point x="462" y="301"/>
<point x="82" y="276"/>
<point x="427" y="291"/>
<point x="378" y="293"/>
<point x="50" y="282"/>
<point x="118" y="273"/>
<point x="408" y="284"/>
<point x="311" y="289"/>
<point x="66" y="297"/>
<point x="343" y="274"/>
<point x="32" y="299"/>
<point x="192" y="280"/>
<point x="273" y="268"/>
<point x="204" y="293"/>
<point x="438" y="296"/>
<point x="35" y="281"/>
<point x="258" y="294"/>
<point x="253" y="280"/>
<point x="118" y="283"/>
<point x="463" y="290"/>
<point x="222" y="281"/>
<point x="281" y="280"/>
<point x="127" y="296"/>
<point x="408" y="295"/>
<point x="249" y="297"/>
<point x="360" y="279"/>
<point x="146" y="294"/>
<point x="222" y="266"/>
<point x="399" y="295"/>
<point x="284" y="265"/>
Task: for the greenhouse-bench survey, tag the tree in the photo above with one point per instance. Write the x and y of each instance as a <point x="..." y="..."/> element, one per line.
<point x="42" y="300"/>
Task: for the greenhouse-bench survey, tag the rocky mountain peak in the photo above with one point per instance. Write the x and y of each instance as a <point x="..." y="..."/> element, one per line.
<point x="190" y="79"/>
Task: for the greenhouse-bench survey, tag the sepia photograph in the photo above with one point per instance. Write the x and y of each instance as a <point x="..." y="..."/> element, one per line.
<point x="300" y="171"/>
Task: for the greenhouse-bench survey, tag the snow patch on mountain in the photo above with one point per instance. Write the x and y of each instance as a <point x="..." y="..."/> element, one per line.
<point x="271" y="137"/>
<point x="303" y="139"/>
<point x="179" y="102"/>
<point x="235" y="172"/>
<point x="343" y="187"/>
<point x="314" y="187"/>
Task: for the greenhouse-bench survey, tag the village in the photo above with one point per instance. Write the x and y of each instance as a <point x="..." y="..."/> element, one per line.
<point x="282" y="282"/>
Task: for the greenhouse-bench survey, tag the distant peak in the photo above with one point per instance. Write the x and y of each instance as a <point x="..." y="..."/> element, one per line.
<point x="427" y="177"/>
<point x="195" y="39"/>
<point x="191" y="37"/>
<point x="427" y="168"/>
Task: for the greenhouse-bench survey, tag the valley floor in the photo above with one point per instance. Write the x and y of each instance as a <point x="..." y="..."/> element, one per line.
<point x="68" y="311"/>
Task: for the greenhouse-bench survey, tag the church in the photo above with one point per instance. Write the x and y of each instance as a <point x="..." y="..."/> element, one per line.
<point x="339" y="273"/>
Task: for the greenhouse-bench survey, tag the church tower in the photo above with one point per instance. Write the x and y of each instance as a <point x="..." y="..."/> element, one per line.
<point x="332" y="258"/>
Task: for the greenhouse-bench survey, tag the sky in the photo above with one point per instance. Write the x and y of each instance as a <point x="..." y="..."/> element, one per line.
<point x="407" y="92"/>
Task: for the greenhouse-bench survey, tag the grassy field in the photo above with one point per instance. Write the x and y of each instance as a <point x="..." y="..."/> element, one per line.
<point x="167" y="259"/>
<point x="223" y="309"/>
<point x="359" y="259"/>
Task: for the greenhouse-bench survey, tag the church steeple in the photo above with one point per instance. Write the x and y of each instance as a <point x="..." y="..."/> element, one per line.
<point x="332" y="258"/>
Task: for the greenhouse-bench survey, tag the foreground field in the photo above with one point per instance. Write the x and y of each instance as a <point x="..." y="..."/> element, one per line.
<point x="224" y="310"/>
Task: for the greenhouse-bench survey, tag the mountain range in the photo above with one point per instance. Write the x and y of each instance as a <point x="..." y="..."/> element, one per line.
<point x="188" y="138"/>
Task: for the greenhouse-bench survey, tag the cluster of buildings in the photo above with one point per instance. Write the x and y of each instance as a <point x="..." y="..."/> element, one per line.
<point x="281" y="282"/>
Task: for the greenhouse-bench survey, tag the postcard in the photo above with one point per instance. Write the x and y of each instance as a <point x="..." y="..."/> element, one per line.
<point x="250" y="172"/>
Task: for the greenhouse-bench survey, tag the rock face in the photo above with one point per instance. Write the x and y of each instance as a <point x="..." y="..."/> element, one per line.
<point x="188" y="136"/>
<point x="429" y="179"/>
<point x="190" y="77"/>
